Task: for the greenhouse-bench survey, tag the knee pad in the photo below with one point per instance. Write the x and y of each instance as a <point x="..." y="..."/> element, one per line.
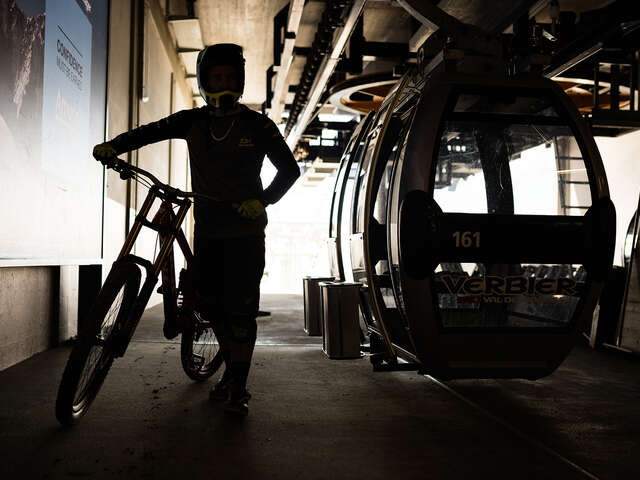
<point x="243" y="328"/>
<point x="219" y="319"/>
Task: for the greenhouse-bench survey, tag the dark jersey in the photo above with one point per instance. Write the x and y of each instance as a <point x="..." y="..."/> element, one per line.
<point x="225" y="155"/>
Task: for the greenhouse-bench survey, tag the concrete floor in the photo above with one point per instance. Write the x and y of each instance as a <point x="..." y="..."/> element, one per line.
<point x="314" y="418"/>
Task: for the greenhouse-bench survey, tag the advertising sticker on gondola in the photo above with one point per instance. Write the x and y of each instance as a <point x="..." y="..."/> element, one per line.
<point x="510" y="285"/>
<point x="462" y="289"/>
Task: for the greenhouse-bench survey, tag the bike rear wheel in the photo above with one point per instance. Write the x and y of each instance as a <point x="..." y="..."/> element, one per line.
<point x="199" y="351"/>
<point x="93" y="354"/>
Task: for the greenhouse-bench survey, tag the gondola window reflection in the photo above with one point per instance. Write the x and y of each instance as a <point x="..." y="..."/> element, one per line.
<point x="517" y="160"/>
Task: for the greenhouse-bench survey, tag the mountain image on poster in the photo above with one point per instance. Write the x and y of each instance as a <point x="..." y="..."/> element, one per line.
<point x="21" y="64"/>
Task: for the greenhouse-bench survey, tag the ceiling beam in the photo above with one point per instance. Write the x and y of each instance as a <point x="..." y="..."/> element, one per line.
<point x="169" y="45"/>
<point x="286" y="58"/>
<point x="328" y="65"/>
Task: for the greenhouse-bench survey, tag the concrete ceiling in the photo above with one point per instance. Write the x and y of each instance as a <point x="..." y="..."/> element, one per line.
<point x="250" y="23"/>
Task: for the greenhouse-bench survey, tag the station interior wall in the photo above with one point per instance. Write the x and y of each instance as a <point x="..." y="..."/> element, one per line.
<point x="39" y="303"/>
<point x="619" y="156"/>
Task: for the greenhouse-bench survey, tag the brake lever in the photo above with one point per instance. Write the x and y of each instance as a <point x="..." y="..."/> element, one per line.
<point x="126" y="174"/>
<point x="116" y="164"/>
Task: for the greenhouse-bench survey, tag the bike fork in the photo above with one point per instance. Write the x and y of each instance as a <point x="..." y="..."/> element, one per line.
<point x="126" y="334"/>
<point x="170" y="229"/>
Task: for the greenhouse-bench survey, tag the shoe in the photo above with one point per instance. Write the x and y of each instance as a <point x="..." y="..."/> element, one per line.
<point x="221" y="390"/>
<point x="238" y="404"/>
<point x="171" y="330"/>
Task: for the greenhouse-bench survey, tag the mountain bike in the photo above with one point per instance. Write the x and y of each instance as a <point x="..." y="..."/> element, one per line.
<point x="108" y="328"/>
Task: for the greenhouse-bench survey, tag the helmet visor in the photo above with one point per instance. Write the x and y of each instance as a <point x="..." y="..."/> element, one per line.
<point x="218" y="78"/>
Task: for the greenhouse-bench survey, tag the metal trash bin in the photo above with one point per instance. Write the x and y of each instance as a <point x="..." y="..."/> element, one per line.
<point x="340" y="317"/>
<point x="312" y="305"/>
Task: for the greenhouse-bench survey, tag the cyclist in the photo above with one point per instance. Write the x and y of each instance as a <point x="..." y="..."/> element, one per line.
<point x="227" y="143"/>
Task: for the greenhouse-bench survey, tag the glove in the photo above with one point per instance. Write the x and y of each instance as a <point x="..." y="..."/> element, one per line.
<point x="250" y="209"/>
<point x="104" y="153"/>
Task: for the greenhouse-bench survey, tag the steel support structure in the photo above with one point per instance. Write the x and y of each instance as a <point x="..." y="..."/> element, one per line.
<point x="327" y="66"/>
<point x="285" y="57"/>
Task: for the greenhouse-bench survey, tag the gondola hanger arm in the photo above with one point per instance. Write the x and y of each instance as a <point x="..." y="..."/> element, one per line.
<point x="430" y="15"/>
<point x="459" y="35"/>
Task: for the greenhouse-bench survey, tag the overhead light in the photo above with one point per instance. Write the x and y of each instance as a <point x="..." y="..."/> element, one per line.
<point x="145" y="94"/>
<point x="329" y="133"/>
<point x="335" y="117"/>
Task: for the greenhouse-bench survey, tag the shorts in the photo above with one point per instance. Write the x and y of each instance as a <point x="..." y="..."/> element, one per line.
<point x="228" y="272"/>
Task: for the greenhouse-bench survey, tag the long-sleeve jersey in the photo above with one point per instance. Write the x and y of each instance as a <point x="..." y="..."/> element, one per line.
<point x="223" y="166"/>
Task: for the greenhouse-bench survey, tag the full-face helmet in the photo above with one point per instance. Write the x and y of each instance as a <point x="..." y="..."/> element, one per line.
<point x="220" y="54"/>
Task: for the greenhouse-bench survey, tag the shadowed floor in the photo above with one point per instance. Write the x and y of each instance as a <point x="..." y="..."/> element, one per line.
<point x="314" y="418"/>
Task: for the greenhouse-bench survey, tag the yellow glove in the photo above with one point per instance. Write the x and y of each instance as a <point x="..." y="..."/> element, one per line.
<point x="104" y="152"/>
<point x="250" y="209"/>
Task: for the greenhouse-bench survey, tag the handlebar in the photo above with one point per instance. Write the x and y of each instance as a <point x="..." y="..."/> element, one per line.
<point x="126" y="171"/>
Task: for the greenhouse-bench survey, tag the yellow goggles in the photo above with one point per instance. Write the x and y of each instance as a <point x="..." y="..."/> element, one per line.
<point x="217" y="99"/>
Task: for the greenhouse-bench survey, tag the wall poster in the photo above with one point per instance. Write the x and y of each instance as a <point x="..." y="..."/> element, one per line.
<point x="52" y="111"/>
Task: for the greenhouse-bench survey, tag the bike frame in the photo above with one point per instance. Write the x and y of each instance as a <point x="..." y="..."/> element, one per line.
<point x="168" y="225"/>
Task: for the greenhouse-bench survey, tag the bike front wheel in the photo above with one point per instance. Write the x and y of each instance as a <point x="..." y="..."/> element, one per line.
<point x="97" y="344"/>
<point x="199" y="351"/>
